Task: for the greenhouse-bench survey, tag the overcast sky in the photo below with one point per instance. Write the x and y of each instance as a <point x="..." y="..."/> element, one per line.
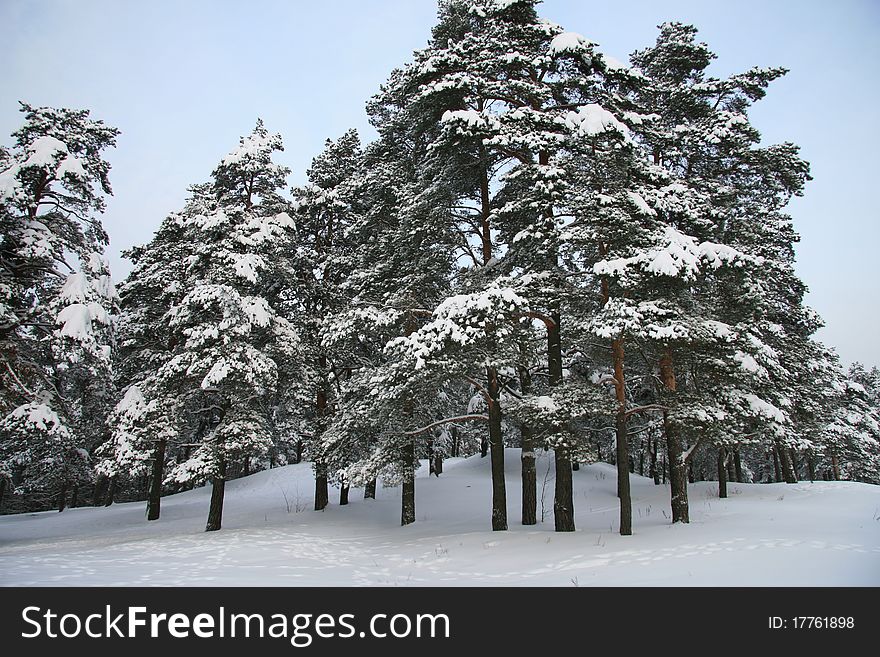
<point x="184" y="80"/>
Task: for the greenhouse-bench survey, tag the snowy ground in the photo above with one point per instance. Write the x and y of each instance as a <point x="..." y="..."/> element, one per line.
<point x="819" y="534"/>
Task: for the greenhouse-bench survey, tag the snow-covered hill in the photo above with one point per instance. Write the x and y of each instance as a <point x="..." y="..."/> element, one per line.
<point x="806" y="534"/>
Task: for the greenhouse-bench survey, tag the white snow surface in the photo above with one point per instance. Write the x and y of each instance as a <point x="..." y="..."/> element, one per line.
<point x="805" y="534"/>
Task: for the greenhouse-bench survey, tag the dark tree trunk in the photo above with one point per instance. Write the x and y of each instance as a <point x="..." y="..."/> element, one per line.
<point x="664" y="468"/>
<point x="62" y="496"/>
<point x="343" y="494"/>
<point x="298" y="457"/>
<point x="322" y="495"/>
<point x="430" y="457"/>
<point x="737" y="466"/>
<point x="100" y="489"/>
<point x="777" y="474"/>
<point x="785" y="464"/>
<point x="722" y="472"/>
<point x="247" y="465"/>
<point x="642" y="458"/>
<point x="111" y="490"/>
<point x="74" y="496"/>
<point x="529" y="478"/>
<point x="563" y="500"/>
<point x="794" y="464"/>
<point x="484" y="447"/>
<point x="835" y="468"/>
<point x="153" y="500"/>
<point x="438" y="463"/>
<point x="496" y="447"/>
<point x="370" y="489"/>
<point x="653" y="471"/>
<point x="575" y="466"/>
<point x="455" y="446"/>
<point x="527" y="457"/>
<point x="623" y="488"/>
<point x="677" y="477"/>
<point x="690" y="472"/>
<point x="3" y="483"/>
<point x="811" y="466"/>
<point x="218" y="488"/>
<point x="408" y="497"/>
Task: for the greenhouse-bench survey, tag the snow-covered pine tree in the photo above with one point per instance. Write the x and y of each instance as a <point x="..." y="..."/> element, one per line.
<point x="850" y="440"/>
<point x="400" y="271"/>
<point x="148" y="418"/>
<point x="699" y="273"/>
<point x="56" y="299"/>
<point x="324" y="209"/>
<point x="228" y="337"/>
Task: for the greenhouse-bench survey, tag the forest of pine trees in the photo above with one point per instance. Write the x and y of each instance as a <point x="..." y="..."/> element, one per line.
<point x="542" y="249"/>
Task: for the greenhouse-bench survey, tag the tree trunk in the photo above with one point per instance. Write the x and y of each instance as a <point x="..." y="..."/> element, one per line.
<point x="731" y="470"/>
<point x="563" y="500"/>
<point x="623" y="486"/>
<point x="322" y="494"/>
<point x="455" y="447"/>
<point x="835" y="467"/>
<point x="62" y="496"/>
<point x="438" y="463"/>
<point x="153" y="500"/>
<point x="299" y="452"/>
<point x="529" y="477"/>
<point x="785" y="464"/>
<point x="722" y="473"/>
<point x="527" y="457"/>
<point x="343" y="494"/>
<point x="811" y="466"/>
<point x="3" y="483"/>
<point x="100" y="489"/>
<point x="496" y="447"/>
<point x="642" y="458"/>
<point x="777" y="474"/>
<point x="370" y="489"/>
<point x="653" y="472"/>
<point x="677" y="478"/>
<point x="737" y="466"/>
<point x="484" y="447"/>
<point x="408" y="497"/>
<point x="794" y="463"/>
<point x="247" y="466"/>
<point x="218" y="488"/>
<point x="690" y="470"/>
<point x="111" y="490"/>
<point x="664" y="468"/>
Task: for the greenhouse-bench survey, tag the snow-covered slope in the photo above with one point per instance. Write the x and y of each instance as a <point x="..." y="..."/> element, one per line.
<point x="824" y="533"/>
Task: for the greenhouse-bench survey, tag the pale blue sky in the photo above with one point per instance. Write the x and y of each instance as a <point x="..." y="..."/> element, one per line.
<point x="184" y="79"/>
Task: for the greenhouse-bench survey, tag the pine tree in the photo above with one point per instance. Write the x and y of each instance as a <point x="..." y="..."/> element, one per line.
<point x="56" y="297"/>
<point x="227" y="335"/>
<point x="324" y="209"/>
<point x="147" y="420"/>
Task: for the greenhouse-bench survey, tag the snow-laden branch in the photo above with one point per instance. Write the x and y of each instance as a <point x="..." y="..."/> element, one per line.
<point x="447" y="420"/>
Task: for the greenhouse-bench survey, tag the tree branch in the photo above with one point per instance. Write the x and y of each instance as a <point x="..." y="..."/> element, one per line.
<point x="458" y="418"/>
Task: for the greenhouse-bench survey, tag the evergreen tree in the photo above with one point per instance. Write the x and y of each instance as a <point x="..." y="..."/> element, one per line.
<point x="56" y="298"/>
<point x="228" y="337"/>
